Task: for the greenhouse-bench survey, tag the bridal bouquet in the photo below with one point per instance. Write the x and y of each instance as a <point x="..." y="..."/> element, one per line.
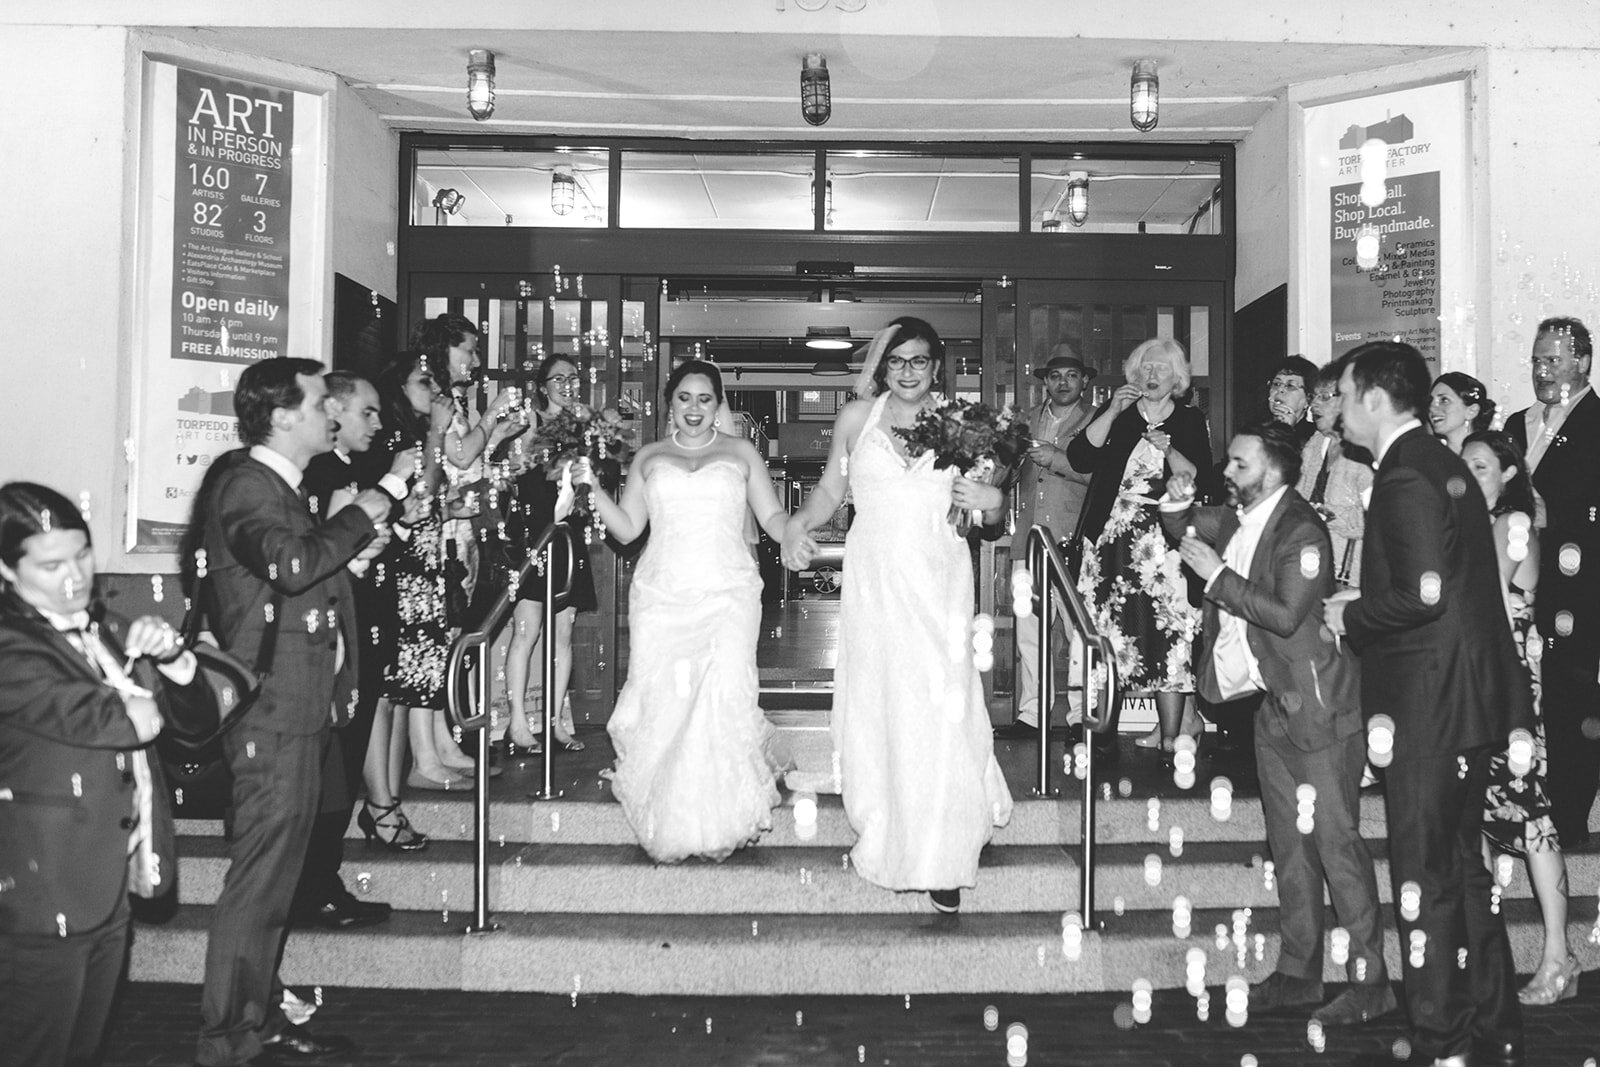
<point x="579" y="432"/>
<point x="983" y="442"/>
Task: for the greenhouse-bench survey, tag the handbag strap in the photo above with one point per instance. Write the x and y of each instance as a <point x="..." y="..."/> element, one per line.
<point x="268" y="649"/>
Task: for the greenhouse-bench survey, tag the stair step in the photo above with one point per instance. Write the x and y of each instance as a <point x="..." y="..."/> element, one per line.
<point x="516" y="819"/>
<point x="621" y="879"/>
<point x="901" y="953"/>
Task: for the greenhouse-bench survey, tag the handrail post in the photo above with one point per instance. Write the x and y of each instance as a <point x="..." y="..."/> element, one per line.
<point x="1086" y="869"/>
<point x="480" y="811"/>
<point x="1046" y="666"/>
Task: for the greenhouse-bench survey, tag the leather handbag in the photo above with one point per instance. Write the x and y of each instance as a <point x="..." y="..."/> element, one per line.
<point x="193" y="760"/>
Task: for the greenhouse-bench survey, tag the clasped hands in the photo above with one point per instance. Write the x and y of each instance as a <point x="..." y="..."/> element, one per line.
<point x="1197" y="554"/>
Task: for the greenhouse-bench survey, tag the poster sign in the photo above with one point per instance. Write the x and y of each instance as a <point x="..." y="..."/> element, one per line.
<point x="1385" y="243"/>
<point x="230" y="272"/>
<point x="234" y="188"/>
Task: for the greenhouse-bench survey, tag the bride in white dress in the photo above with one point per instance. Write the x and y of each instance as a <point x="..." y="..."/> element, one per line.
<point x="916" y="752"/>
<point x="693" y="771"/>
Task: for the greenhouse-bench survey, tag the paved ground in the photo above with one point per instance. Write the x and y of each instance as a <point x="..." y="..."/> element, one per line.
<point x="156" y="1024"/>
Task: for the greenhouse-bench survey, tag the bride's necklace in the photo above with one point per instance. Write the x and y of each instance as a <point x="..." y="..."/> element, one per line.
<point x="694" y="448"/>
<point x="895" y="415"/>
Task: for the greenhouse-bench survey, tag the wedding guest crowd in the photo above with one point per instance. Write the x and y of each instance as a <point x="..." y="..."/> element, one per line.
<point x="1372" y="586"/>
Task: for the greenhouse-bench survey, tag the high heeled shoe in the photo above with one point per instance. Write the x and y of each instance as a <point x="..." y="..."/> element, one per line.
<point x="417" y="780"/>
<point x="390" y="828"/>
<point x="1551" y="984"/>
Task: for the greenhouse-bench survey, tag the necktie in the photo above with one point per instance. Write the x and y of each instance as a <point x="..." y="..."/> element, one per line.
<point x="1320" y="488"/>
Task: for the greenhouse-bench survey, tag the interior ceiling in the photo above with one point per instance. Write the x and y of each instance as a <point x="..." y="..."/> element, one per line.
<point x="746" y="85"/>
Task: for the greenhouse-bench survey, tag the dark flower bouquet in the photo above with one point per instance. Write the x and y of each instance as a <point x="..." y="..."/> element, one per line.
<point x="983" y="442"/>
<point x="579" y="432"/>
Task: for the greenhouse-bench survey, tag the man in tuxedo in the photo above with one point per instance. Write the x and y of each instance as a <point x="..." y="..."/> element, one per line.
<point x="1050" y="494"/>
<point x="1560" y="435"/>
<point x="1440" y="677"/>
<point x="1267" y="565"/>
<point x="332" y="480"/>
<point x="279" y="584"/>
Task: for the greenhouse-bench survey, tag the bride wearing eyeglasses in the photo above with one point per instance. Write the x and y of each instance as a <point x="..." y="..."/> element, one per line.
<point x="916" y="754"/>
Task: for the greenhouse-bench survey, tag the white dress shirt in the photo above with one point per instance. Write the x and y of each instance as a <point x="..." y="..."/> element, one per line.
<point x="1238" y="670"/>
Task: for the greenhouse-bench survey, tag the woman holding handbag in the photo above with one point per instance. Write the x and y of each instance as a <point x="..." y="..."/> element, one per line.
<point x="85" y="819"/>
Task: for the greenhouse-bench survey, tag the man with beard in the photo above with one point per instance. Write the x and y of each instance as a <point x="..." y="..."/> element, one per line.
<point x="1050" y="494"/>
<point x="1267" y="565"/>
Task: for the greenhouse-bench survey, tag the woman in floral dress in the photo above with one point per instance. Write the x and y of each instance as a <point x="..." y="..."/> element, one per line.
<point x="1517" y="807"/>
<point x="1130" y="577"/>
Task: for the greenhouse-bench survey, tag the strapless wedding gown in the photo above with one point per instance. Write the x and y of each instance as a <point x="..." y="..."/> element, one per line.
<point x="916" y="750"/>
<point x="693" y="770"/>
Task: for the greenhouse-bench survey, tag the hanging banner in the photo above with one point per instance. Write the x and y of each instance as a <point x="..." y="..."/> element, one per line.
<point x="1386" y="244"/>
<point x="230" y="273"/>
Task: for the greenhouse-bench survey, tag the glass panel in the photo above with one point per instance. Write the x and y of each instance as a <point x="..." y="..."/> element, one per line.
<point x="1129" y="196"/>
<point x="899" y="192"/>
<point x="564" y="187"/>
<point x="713" y="191"/>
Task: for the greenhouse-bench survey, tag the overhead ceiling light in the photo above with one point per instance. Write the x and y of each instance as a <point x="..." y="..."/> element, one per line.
<point x="828" y="337"/>
<point x="816" y="94"/>
<point x="1144" y="96"/>
<point x="563" y="190"/>
<point x="1078" y="197"/>
<point x="480" y="83"/>
<point x="833" y="367"/>
<point x="447" y="202"/>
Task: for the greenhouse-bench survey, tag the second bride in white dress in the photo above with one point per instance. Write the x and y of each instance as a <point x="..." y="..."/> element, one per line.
<point x="693" y="773"/>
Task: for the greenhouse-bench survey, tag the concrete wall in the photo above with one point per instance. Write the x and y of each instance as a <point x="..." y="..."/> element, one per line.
<point x="1261" y="199"/>
<point x="65" y="257"/>
<point x="364" y="178"/>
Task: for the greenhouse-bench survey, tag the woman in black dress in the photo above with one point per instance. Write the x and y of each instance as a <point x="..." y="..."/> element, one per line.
<point x="1131" y="578"/>
<point x="539" y="500"/>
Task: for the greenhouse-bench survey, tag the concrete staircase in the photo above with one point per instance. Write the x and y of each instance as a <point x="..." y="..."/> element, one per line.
<point x="583" y="910"/>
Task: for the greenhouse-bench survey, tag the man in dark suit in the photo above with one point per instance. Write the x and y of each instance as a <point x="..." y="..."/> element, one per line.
<point x="1560" y="435"/>
<point x="279" y="578"/>
<point x="1440" y="672"/>
<point x="332" y="479"/>
<point x="1268" y="564"/>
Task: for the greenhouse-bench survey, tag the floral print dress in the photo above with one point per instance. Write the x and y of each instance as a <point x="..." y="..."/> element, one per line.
<point x="1516" y="815"/>
<point x="1133" y="582"/>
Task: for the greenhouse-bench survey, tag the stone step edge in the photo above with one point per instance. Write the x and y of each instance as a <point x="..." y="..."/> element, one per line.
<point x="888" y="954"/>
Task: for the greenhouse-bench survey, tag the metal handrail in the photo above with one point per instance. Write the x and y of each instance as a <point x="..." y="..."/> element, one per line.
<point x="477" y="641"/>
<point x="1050" y="576"/>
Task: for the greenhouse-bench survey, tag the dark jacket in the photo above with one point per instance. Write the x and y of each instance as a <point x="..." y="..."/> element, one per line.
<point x="1568" y="481"/>
<point x="1437" y="654"/>
<point x="1280" y="601"/>
<point x="66" y="780"/>
<point x="261" y="542"/>
<point x="1185" y="425"/>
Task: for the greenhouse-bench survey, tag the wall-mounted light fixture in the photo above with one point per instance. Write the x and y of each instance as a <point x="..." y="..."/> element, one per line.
<point x="563" y="190"/>
<point x="447" y="202"/>
<point x="480" y="83"/>
<point x="1078" y="197"/>
<point x="816" y="95"/>
<point x="1144" y="96"/>
<point x="1050" y="223"/>
<point x="834" y="338"/>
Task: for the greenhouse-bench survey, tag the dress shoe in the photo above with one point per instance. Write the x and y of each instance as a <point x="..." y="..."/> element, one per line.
<point x="344" y="914"/>
<point x="1106" y="751"/>
<point x="417" y="780"/>
<point x="1358" y="1005"/>
<point x="1496" y="1053"/>
<point x="295" y="1043"/>
<point x="1280" y="992"/>
<point x="1017" y="730"/>
<point x="945" y="900"/>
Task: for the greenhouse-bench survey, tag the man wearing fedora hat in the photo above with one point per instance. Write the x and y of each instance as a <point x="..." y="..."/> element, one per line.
<point x="1049" y="494"/>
